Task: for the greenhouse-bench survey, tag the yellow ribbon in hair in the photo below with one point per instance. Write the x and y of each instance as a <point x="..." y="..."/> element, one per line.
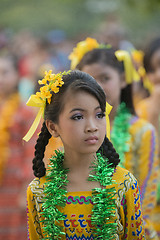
<point x="108" y="109"/>
<point x="35" y="101"/>
<point x="130" y="72"/>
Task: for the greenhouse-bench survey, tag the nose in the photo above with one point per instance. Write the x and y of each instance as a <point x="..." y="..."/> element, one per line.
<point x="91" y="126"/>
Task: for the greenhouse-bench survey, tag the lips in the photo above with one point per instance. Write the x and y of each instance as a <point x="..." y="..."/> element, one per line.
<point x="91" y="140"/>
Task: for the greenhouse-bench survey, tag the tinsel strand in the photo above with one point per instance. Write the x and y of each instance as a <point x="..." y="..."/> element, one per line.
<point x="120" y="135"/>
<point x="55" y="190"/>
<point x="104" y="205"/>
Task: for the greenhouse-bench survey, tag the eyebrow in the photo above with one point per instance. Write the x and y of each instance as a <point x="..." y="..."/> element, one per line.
<point x="101" y="75"/>
<point x="81" y="109"/>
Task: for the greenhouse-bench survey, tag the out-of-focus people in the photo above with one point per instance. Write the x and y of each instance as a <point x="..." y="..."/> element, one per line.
<point x="114" y="33"/>
<point x="134" y="138"/>
<point x="149" y="108"/>
<point x="15" y="164"/>
<point x="60" y="49"/>
<point x="31" y="53"/>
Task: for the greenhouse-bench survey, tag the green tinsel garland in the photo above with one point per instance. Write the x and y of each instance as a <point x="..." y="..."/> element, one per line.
<point x="103" y="199"/>
<point x="120" y="135"/>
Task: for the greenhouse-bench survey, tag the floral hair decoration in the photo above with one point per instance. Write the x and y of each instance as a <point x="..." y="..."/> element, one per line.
<point x="81" y="49"/>
<point x="51" y="83"/>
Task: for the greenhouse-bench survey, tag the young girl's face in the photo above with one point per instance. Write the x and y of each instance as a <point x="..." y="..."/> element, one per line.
<point x="154" y="75"/>
<point x="8" y="77"/>
<point x="82" y="124"/>
<point x="109" y="79"/>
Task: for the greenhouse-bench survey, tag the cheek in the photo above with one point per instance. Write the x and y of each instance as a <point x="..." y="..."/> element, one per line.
<point x="103" y="126"/>
<point x="152" y="77"/>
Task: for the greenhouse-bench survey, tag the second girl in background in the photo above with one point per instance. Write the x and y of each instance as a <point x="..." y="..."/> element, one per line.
<point x="133" y="138"/>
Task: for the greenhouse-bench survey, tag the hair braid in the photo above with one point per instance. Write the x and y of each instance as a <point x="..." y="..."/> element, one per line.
<point x="108" y="151"/>
<point x="42" y="141"/>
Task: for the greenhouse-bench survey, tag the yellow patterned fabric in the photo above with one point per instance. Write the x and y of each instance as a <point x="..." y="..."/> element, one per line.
<point x="141" y="110"/>
<point x="141" y="159"/>
<point x="77" y="210"/>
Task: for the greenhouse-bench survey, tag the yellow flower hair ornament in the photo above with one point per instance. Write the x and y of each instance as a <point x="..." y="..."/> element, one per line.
<point x="81" y="49"/>
<point x="51" y="83"/>
<point x="130" y="72"/>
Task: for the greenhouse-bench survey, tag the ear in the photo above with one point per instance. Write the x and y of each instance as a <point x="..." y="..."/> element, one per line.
<point x="52" y="128"/>
<point x="123" y="83"/>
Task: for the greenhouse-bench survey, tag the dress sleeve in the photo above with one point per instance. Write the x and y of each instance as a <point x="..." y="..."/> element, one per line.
<point x="148" y="174"/>
<point x="33" y="221"/>
<point x="130" y="218"/>
<point x="133" y="213"/>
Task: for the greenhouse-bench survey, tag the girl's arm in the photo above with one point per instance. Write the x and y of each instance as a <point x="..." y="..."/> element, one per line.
<point x="33" y="221"/>
<point x="134" y="226"/>
<point x="128" y="201"/>
<point x="148" y="174"/>
<point x="143" y="159"/>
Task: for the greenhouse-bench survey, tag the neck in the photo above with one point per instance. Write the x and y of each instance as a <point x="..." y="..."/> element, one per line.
<point x="78" y="162"/>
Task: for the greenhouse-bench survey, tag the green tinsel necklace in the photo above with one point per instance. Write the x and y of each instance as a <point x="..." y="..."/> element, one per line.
<point x="120" y="135"/>
<point x="104" y="205"/>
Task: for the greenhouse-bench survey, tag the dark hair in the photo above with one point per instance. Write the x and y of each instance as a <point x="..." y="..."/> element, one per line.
<point x="73" y="81"/>
<point x="149" y="52"/>
<point x="107" y="56"/>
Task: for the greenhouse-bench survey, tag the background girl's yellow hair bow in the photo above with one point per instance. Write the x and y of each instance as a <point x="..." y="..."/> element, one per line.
<point x="130" y="72"/>
<point x="108" y="110"/>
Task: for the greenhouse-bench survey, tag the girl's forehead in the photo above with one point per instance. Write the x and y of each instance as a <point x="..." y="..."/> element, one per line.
<point x="156" y="55"/>
<point x="80" y="97"/>
<point x="97" y="69"/>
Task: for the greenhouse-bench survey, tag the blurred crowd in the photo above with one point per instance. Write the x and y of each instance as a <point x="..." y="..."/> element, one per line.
<point x="24" y="57"/>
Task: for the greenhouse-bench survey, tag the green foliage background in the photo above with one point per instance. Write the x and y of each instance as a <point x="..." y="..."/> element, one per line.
<point x="141" y="18"/>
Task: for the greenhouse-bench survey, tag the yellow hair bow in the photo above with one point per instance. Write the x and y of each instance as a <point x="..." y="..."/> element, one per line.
<point x="35" y="101"/>
<point x="108" y="110"/>
<point x="51" y="83"/>
<point x="130" y="72"/>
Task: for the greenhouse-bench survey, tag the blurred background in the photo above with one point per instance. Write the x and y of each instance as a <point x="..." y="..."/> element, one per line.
<point x="140" y="19"/>
<point x="38" y="35"/>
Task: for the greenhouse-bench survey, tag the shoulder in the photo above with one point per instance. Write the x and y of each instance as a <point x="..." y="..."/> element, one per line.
<point x="122" y="175"/>
<point x="138" y="124"/>
<point x="36" y="187"/>
<point x="141" y="108"/>
<point x="125" y="184"/>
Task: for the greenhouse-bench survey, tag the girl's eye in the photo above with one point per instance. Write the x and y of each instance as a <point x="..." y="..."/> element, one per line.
<point x="105" y="79"/>
<point x="100" y="115"/>
<point x="77" y="117"/>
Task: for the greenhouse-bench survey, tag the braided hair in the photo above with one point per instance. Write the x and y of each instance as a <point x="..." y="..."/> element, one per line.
<point x="74" y="81"/>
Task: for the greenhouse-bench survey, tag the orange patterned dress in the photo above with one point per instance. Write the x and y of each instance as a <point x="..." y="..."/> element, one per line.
<point x="17" y="173"/>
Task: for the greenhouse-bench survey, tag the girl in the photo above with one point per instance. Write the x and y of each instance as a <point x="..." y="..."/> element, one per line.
<point x="15" y="167"/>
<point x="149" y="107"/>
<point x="84" y="194"/>
<point x="133" y="138"/>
